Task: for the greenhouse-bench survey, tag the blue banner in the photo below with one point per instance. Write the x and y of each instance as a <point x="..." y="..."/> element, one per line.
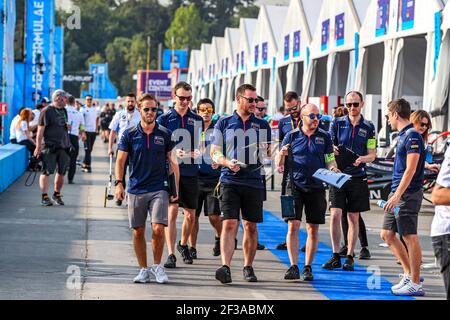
<point x="264" y="53"/>
<point x="180" y="58"/>
<point x="7" y="71"/>
<point x="406" y="14"/>
<point x="58" y="57"/>
<point x="101" y="87"/>
<point x="382" y="25"/>
<point x="242" y="61"/>
<point x="340" y="29"/>
<point x="256" y="55"/>
<point x="296" y="49"/>
<point x="286" y="47"/>
<point x="38" y="45"/>
<point x="437" y="39"/>
<point x="325" y="34"/>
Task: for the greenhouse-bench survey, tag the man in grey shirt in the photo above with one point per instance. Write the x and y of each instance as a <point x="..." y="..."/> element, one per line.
<point x="53" y="145"/>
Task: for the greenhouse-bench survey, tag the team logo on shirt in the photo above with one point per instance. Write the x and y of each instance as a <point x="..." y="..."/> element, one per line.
<point x="191" y="121"/>
<point x="159" y="140"/>
<point x="320" y="140"/>
<point x="362" y="133"/>
<point x="255" y="126"/>
<point x="414" y="143"/>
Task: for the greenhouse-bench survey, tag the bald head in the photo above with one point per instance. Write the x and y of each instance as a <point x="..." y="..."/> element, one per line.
<point x="309" y="108"/>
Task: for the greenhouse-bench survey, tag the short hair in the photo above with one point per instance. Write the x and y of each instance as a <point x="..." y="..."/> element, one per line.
<point x="242" y="88"/>
<point x="131" y="95"/>
<point x="71" y="100"/>
<point x="281" y="109"/>
<point x="182" y="85"/>
<point x="146" y="96"/>
<point x="416" y="118"/>
<point x="359" y="94"/>
<point x="401" y="106"/>
<point x="87" y="96"/>
<point x="291" y="95"/>
<point x="260" y="99"/>
<point x="204" y="101"/>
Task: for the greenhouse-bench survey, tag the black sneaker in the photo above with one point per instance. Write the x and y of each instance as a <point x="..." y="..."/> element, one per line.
<point x="184" y="251"/>
<point x="281" y="246"/>
<point x="348" y="264"/>
<point x="249" y="274"/>
<point x="57" y="198"/>
<point x="333" y="263"/>
<point x="171" y="262"/>
<point x="46" y="202"/>
<point x="292" y="273"/>
<point x="307" y="273"/>
<point x="260" y="246"/>
<point x="235" y="244"/>
<point x="193" y="252"/>
<point x="364" y="254"/>
<point x="216" y="249"/>
<point x="343" y="251"/>
<point x="118" y="203"/>
<point x="223" y="274"/>
<point x="303" y="249"/>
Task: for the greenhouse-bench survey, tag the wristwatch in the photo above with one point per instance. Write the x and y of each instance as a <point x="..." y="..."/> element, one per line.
<point x="116" y="182"/>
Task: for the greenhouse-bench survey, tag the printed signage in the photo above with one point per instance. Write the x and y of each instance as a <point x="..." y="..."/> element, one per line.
<point x="325" y="34"/>
<point x="340" y="29"/>
<point x="264" y="53"/>
<point x="382" y="18"/>
<point x="157" y="83"/>
<point x="286" y="48"/>
<point x="256" y="55"/>
<point x="296" y="52"/>
<point x="406" y="14"/>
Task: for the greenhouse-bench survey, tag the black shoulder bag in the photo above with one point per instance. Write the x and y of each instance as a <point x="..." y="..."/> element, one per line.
<point x="287" y="200"/>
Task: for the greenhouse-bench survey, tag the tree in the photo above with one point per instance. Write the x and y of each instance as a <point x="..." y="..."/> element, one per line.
<point x="116" y="54"/>
<point x="244" y="12"/>
<point x="187" y="29"/>
<point x="95" y="58"/>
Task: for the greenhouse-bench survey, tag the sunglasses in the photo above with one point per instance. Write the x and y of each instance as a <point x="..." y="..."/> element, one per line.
<point x="313" y="116"/>
<point x="184" y="98"/>
<point x="352" y="104"/>
<point x="251" y="100"/>
<point x="261" y="109"/>
<point x="209" y="110"/>
<point x="423" y="124"/>
<point x="149" y="109"/>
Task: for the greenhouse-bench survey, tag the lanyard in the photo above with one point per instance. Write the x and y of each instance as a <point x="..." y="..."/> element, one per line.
<point x="292" y="123"/>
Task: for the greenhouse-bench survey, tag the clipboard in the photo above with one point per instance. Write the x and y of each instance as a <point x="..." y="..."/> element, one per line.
<point x="332" y="178"/>
<point x="346" y="158"/>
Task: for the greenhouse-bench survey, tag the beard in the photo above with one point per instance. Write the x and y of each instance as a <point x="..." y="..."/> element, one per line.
<point x="130" y="108"/>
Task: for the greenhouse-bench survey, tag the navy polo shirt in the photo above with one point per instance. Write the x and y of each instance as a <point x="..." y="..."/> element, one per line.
<point x="147" y="154"/>
<point x="358" y="139"/>
<point x="251" y="133"/>
<point x="286" y="125"/>
<point x="206" y="172"/>
<point x="409" y="141"/>
<point x="309" y="155"/>
<point x="191" y="122"/>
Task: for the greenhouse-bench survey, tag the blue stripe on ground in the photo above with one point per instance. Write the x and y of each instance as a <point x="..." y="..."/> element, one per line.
<point x="334" y="284"/>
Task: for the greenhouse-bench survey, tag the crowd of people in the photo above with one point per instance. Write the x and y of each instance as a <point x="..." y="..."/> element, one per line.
<point x="188" y="158"/>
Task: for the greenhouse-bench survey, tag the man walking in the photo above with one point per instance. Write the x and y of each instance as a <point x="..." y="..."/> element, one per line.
<point x="53" y="144"/>
<point x="440" y="227"/>
<point x="188" y="142"/>
<point x="148" y="146"/>
<point x="245" y="139"/>
<point x="311" y="149"/>
<point x="292" y="121"/>
<point x="406" y="195"/>
<point x="358" y="135"/>
<point x="76" y="129"/>
<point x="91" y="121"/>
<point x="122" y="120"/>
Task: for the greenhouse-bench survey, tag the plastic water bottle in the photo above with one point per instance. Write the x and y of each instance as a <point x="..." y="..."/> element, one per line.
<point x="382" y="204"/>
<point x="429" y="156"/>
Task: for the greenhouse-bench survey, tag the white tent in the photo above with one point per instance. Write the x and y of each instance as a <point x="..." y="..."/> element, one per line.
<point x="246" y="33"/>
<point x="396" y="53"/>
<point x="333" y="48"/>
<point x="293" y="54"/>
<point x="264" y="52"/>
<point x="203" y="71"/>
<point x="193" y="75"/>
<point x="214" y="59"/>
<point x="436" y="99"/>
<point x="228" y="69"/>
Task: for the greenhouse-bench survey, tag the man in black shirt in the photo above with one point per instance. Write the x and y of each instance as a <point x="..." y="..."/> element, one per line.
<point x="53" y="144"/>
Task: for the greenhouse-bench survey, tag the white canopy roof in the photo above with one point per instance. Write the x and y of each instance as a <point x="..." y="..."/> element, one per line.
<point x="229" y="54"/>
<point x="193" y="67"/>
<point x="266" y="37"/>
<point x="203" y="63"/>
<point x="214" y="58"/>
<point x="446" y="17"/>
<point x="297" y="31"/>
<point x="246" y="32"/>
<point x="398" y="18"/>
<point x="336" y="27"/>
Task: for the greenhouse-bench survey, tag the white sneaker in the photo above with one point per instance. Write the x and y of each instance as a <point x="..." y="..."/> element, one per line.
<point x="142" y="277"/>
<point x="159" y="272"/>
<point x="404" y="279"/>
<point x="410" y="289"/>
